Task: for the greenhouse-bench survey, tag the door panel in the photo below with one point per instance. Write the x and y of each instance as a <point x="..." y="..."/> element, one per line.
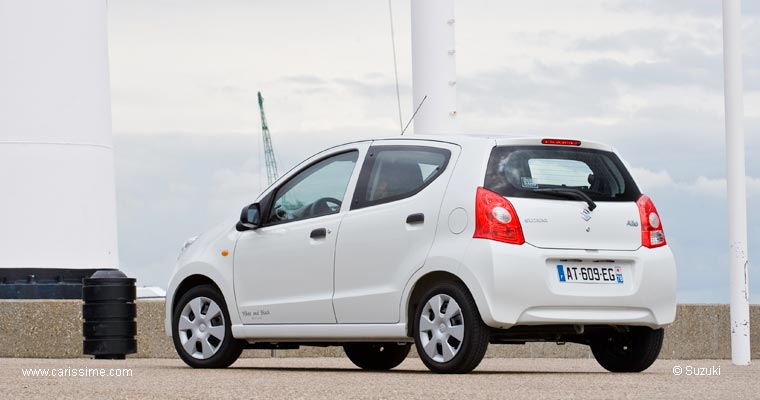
<point x="288" y="275"/>
<point x="389" y="231"/>
<point x="284" y="270"/>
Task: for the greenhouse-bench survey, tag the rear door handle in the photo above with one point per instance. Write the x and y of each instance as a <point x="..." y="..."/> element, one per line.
<point x="320" y="233"/>
<point x="415" y="218"/>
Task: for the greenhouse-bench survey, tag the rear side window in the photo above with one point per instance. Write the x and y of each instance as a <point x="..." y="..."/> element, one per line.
<point x="393" y="173"/>
<point x="521" y="171"/>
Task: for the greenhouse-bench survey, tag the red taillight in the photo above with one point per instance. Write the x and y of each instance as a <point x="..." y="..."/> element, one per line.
<point x="496" y="219"/>
<point x="652" y="234"/>
<point x="561" y="142"/>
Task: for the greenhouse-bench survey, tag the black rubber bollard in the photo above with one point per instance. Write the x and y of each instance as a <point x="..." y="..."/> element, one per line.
<point x="109" y="313"/>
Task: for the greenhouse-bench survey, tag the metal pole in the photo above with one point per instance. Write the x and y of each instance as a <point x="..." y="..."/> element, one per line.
<point x="737" y="191"/>
<point x="434" y="66"/>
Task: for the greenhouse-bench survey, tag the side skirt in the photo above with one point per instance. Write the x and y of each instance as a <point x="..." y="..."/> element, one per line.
<point x="321" y="333"/>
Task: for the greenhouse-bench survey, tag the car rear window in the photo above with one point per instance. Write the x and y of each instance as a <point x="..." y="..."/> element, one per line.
<point x="521" y="171"/>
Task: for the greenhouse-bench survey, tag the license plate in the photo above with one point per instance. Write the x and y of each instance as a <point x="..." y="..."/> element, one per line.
<point x="590" y="274"/>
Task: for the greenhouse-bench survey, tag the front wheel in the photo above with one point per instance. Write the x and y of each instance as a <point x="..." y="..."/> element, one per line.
<point x="631" y="351"/>
<point x="201" y="329"/>
<point x="377" y="356"/>
<point x="449" y="335"/>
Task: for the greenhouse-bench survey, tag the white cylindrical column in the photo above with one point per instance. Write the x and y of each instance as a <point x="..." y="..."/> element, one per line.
<point x="57" y="202"/>
<point x="434" y="67"/>
<point x="737" y="191"/>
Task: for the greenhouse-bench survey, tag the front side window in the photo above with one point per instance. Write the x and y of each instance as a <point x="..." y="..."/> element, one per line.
<point x="316" y="191"/>
<point x="392" y="173"/>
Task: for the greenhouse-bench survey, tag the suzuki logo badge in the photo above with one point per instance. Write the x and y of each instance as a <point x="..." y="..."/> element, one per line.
<point x="586" y="214"/>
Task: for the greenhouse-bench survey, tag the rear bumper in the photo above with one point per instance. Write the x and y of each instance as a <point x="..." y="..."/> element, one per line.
<point x="519" y="285"/>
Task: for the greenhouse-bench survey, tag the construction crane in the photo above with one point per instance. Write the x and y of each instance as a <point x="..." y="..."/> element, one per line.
<point x="269" y="159"/>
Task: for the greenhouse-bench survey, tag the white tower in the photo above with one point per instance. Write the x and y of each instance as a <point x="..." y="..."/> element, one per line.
<point x="57" y="199"/>
<point x="434" y="75"/>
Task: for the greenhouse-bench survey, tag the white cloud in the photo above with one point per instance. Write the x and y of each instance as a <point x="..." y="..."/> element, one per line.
<point x="651" y="180"/>
<point x="717" y="187"/>
<point x="713" y="187"/>
<point x="233" y="189"/>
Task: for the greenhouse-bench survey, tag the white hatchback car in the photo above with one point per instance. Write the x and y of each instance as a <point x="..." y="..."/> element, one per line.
<point x="450" y="243"/>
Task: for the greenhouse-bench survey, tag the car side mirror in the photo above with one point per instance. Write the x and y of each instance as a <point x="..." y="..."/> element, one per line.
<point x="250" y="217"/>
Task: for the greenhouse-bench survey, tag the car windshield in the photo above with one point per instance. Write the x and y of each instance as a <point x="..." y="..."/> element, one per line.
<point x="559" y="173"/>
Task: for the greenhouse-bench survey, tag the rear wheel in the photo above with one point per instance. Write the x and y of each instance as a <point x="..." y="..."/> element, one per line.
<point x="377" y="356"/>
<point x="201" y="329"/>
<point x="449" y="335"/>
<point x="631" y="351"/>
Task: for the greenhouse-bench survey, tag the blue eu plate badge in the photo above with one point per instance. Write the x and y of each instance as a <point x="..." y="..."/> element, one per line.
<point x="561" y="272"/>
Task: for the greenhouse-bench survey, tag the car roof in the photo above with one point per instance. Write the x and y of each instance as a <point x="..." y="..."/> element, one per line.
<point x="497" y="140"/>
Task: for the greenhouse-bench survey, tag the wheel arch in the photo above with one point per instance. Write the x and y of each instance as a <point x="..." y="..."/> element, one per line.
<point x="190" y="282"/>
<point x="421" y="285"/>
<point x="194" y="275"/>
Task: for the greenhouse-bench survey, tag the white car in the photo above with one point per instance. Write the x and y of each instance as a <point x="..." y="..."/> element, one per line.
<point x="450" y="243"/>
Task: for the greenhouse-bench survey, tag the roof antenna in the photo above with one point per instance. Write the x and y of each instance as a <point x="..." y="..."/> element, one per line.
<point x="415" y="113"/>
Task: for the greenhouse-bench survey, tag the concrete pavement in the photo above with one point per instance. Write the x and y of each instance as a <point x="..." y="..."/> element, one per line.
<point x="337" y="378"/>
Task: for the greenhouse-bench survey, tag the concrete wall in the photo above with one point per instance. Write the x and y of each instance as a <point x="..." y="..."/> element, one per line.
<point x="53" y="329"/>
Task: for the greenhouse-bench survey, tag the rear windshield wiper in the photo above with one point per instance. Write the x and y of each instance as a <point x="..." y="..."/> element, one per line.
<point x="567" y="192"/>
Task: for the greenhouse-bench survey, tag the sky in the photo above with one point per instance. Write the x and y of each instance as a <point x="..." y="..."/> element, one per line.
<point x="645" y="76"/>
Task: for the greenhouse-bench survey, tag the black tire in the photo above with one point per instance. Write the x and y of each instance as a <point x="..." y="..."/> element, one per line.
<point x="229" y="348"/>
<point x="632" y="351"/>
<point x="471" y="349"/>
<point x="377" y="356"/>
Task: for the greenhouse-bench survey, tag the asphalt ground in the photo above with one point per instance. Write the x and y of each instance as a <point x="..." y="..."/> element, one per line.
<point x="337" y="378"/>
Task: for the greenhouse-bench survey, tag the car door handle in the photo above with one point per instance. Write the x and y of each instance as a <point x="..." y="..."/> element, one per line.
<point x="415" y="218"/>
<point x="320" y="233"/>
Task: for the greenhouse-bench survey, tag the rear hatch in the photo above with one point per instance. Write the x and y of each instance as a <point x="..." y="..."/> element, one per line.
<point x="568" y="195"/>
